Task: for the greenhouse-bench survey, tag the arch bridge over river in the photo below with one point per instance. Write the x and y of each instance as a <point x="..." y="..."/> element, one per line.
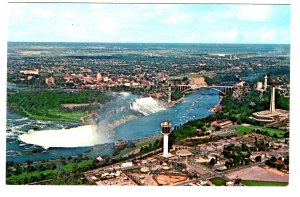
<point x="222" y="89"/>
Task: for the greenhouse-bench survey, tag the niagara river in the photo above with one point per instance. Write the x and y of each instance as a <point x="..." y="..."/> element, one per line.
<point x="128" y="117"/>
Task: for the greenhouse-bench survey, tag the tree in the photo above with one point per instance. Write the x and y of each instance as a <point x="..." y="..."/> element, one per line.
<point x="227" y="164"/>
<point x="268" y="162"/>
<point x="237" y="180"/>
<point x="247" y="161"/>
<point x="212" y="162"/>
<point x="275" y="135"/>
<point x="279" y="166"/>
<point x="273" y="159"/>
<point x="226" y="154"/>
<point x="28" y="162"/>
<point x="286" y="161"/>
<point x="244" y="147"/>
<point x="258" y="158"/>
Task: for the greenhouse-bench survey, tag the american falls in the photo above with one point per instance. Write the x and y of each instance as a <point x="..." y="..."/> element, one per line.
<point x="146" y="106"/>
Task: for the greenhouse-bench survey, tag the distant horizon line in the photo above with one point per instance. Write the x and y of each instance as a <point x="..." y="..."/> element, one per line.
<point x="144" y="42"/>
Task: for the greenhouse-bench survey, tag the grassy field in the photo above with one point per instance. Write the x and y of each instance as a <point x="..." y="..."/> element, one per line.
<point x="218" y="181"/>
<point x="247" y="129"/>
<point x="73" y="116"/>
<point x="23" y="176"/>
<point x="263" y="183"/>
<point x="64" y="116"/>
<point x="70" y="166"/>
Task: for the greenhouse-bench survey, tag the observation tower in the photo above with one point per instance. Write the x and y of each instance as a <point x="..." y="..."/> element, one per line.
<point x="165" y="131"/>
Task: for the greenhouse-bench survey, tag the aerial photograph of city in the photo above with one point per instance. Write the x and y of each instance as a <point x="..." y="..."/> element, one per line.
<point x="148" y="94"/>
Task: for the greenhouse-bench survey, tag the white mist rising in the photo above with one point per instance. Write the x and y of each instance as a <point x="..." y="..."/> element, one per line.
<point x="100" y="133"/>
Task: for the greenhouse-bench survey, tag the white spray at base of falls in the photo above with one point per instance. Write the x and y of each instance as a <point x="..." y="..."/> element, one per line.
<point x="74" y="137"/>
<point x="146" y="106"/>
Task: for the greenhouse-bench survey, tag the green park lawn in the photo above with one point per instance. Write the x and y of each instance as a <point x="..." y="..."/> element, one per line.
<point x="70" y="166"/>
<point x="218" y="181"/>
<point x="63" y="116"/>
<point x="263" y="183"/>
<point x="247" y="129"/>
<point x="74" y="116"/>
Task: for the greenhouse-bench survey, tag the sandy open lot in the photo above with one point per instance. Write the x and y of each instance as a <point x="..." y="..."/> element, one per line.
<point x="169" y="179"/>
<point x="259" y="174"/>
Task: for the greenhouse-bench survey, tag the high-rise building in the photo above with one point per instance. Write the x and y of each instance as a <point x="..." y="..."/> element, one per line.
<point x="259" y="85"/>
<point x="50" y="80"/>
<point x="105" y="78"/>
<point x="99" y="77"/>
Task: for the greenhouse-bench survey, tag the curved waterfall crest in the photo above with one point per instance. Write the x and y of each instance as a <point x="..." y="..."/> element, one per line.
<point x="146" y="106"/>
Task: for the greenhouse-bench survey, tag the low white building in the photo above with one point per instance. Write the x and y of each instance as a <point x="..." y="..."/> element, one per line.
<point x="126" y="164"/>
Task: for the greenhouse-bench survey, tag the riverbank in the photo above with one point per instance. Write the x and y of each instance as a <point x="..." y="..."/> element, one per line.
<point x="217" y="107"/>
<point x="176" y="101"/>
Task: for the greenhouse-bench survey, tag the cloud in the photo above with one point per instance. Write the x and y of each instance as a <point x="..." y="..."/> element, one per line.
<point x="177" y="17"/>
<point x="267" y="35"/>
<point x="17" y="13"/>
<point x="222" y="36"/>
<point x="249" y="12"/>
<point x="76" y="31"/>
<point x="47" y="13"/>
<point x="146" y="23"/>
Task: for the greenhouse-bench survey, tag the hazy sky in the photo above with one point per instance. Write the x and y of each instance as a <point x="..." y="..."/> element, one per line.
<point x="194" y="23"/>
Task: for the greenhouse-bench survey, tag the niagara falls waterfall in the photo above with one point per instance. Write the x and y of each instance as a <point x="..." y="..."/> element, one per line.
<point x="146" y="106"/>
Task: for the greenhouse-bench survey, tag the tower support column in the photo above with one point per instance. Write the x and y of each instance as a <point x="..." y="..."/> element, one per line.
<point x="166" y="145"/>
<point x="165" y="131"/>
<point x="272" y="102"/>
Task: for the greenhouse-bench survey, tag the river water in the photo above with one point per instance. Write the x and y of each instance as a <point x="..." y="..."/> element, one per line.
<point x="194" y="106"/>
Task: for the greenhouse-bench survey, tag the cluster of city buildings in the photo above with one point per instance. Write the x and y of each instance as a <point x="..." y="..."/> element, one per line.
<point x="186" y="165"/>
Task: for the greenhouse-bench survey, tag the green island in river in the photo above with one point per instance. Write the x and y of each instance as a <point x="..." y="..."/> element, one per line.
<point x="55" y="105"/>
